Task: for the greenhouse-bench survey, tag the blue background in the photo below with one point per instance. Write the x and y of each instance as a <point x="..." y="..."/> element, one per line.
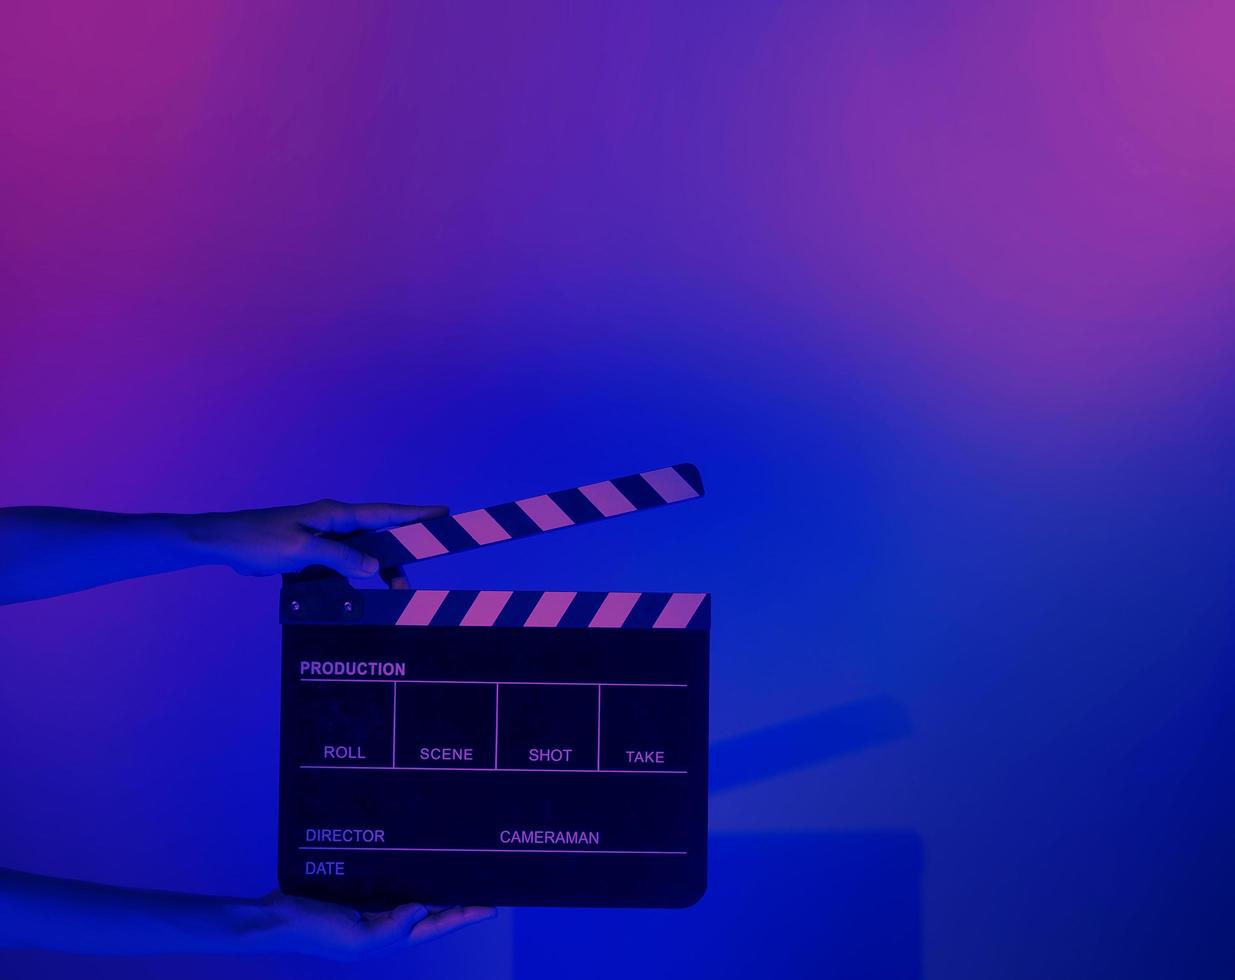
<point x="937" y="297"/>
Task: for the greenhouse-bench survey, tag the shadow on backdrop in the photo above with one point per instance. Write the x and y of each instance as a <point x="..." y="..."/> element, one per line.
<point x="805" y="741"/>
<point x="841" y="905"/>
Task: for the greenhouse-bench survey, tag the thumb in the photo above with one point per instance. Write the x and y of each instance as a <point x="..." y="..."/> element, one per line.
<point x="343" y="559"/>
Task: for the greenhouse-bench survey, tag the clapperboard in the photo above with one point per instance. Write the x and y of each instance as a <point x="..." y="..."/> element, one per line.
<point x="492" y="747"/>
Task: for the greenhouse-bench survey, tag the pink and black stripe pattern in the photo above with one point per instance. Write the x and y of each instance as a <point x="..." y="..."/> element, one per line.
<point x="532" y="515"/>
<point x="498" y="608"/>
<point x="556" y="610"/>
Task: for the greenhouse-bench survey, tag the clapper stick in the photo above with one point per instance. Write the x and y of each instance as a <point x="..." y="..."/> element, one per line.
<point x="531" y="515"/>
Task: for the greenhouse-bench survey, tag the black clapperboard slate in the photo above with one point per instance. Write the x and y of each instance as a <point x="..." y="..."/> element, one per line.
<point x="490" y="747"/>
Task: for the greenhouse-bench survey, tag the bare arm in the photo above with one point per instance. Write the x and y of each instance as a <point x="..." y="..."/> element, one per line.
<point x="46" y="551"/>
<point x="82" y="917"/>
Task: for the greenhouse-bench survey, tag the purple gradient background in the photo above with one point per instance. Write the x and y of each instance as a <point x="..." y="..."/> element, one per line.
<point x="938" y="296"/>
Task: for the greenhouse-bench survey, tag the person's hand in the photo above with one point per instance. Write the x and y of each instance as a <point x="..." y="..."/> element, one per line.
<point x="302" y="925"/>
<point x="39" y="912"/>
<point x="289" y="539"/>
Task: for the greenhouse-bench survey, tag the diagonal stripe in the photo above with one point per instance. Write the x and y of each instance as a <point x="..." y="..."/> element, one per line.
<point x="690" y="473"/>
<point x="678" y="610"/>
<point x="581" y="611"/>
<point x="643" y="615"/>
<point x="702" y="619"/>
<point x="514" y="522"/>
<point x="481" y="526"/>
<point x="607" y="498"/>
<point x="544" y="512"/>
<point x="421" y="607"/>
<point x="614" y="610"/>
<point x="485" y="609"/>
<point x="638" y="491"/>
<point x="670" y="485"/>
<point x="549" y="610"/>
<point x="576" y="506"/>
<point x="419" y="540"/>
<point x="517" y="610"/>
<point x="454" y="608"/>
<point x="450" y="534"/>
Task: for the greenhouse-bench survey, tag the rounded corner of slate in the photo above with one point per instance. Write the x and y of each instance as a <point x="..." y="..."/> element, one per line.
<point x="690" y="473"/>
<point x="694" y="896"/>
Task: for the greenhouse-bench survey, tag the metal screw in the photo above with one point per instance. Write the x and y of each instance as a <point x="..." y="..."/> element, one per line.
<point x="295" y="606"/>
<point x="347" y="606"/>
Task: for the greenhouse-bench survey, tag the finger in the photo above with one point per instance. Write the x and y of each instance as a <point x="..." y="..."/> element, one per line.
<point x="443" y="923"/>
<point x="390" y="927"/>
<point x="342" y="518"/>
<point x="338" y="556"/>
<point x="395" y="577"/>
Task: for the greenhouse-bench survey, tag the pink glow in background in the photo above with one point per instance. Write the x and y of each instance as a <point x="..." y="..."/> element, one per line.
<point x="938" y="296"/>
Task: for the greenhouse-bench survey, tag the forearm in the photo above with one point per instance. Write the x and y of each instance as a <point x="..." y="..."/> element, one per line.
<point x="46" y="551"/>
<point x="82" y="917"/>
